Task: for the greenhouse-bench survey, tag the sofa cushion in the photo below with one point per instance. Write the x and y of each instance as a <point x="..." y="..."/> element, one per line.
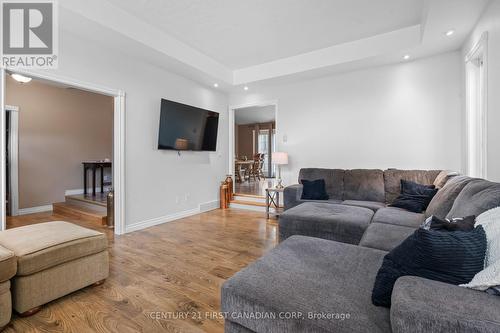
<point x="398" y="216"/>
<point x="307" y="275"/>
<point x="5" y="303"/>
<point x="443" y="177"/>
<point x="329" y="201"/>
<point x="364" y="184"/>
<point x="384" y="236"/>
<point x="393" y="177"/>
<point x="477" y="196"/>
<point x="334" y="180"/>
<point x="44" y="245"/>
<point x="373" y="205"/>
<point x="232" y="327"/>
<point x="8" y="264"/>
<point x="323" y="220"/>
<point x="420" y="306"/>
<point x="442" y="202"/>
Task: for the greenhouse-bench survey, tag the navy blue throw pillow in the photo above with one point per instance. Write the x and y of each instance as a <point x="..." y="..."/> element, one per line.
<point x="453" y="224"/>
<point x="314" y="190"/>
<point x="447" y="256"/>
<point x="414" y="197"/>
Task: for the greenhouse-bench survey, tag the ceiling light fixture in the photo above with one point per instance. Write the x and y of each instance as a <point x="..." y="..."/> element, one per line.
<point x="20" y="78"/>
<point x="449" y="32"/>
<point x="245" y="88"/>
<point x="216" y="85"/>
<point x="406" y="57"/>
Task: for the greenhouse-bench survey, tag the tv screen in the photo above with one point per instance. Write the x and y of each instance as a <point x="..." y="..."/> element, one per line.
<point x="184" y="127"/>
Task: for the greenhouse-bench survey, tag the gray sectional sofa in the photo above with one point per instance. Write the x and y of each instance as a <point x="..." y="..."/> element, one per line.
<point x="324" y="283"/>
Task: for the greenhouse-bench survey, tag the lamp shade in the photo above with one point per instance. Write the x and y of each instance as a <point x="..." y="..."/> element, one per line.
<point x="279" y="158"/>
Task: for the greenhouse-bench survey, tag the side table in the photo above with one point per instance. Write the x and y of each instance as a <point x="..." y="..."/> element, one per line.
<point x="273" y="201"/>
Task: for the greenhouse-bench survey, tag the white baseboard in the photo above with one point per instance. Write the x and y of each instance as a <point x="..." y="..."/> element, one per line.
<point x="208" y="206"/>
<point x="89" y="190"/>
<point x="32" y="210"/>
<point x="203" y="207"/>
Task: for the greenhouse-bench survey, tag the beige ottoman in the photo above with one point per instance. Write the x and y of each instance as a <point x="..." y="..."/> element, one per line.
<point x="7" y="271"/>
<point x="53" y="260"/>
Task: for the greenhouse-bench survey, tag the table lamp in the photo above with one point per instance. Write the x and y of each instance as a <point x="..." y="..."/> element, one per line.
<point x="279" y="158"/>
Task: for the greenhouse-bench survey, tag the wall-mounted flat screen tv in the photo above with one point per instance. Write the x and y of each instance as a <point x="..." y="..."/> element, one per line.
<point x="185" y="127"/>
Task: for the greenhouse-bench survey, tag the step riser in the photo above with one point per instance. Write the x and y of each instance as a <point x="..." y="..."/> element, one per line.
<point x="248" y="207"/>
<point x="75" y="212"/>
<point x="242" y="205"/>
<point x="249" y="199"/>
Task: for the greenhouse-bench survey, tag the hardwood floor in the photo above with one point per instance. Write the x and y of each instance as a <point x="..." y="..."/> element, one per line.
<point x="158" y="275"/>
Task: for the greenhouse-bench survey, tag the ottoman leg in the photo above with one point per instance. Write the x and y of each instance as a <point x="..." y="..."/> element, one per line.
<point x="30" y="312"/>
<point x="98" y="283"/>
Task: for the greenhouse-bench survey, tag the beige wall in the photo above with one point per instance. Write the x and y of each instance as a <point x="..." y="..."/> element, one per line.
<point x="58" y="129"/>
<point x="244" y="146"/>
<point x="244" y="138"/>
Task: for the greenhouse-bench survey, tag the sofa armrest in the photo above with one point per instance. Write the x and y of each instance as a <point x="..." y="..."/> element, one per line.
<point x="291" y="195"/>
<point x="422" y="305"/>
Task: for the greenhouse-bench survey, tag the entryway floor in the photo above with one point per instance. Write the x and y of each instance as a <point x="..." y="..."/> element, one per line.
<point x="98" y="199"/>
<point x="254" y="187"/>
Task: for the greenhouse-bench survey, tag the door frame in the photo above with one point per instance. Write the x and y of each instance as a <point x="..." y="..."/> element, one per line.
<point x="14" y="158"/>
<point x="479" y="50"/>
<point x="232" y="146"/>
<point x="118" y="137"/>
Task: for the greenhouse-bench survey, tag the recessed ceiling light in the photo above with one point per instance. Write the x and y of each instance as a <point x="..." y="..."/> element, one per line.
<point x="245" y="88"/>
<point x="450" y="32"/>
<point x="406" y="57"/>
<point x="20" y="78"/>
<point x="216" y="85"/>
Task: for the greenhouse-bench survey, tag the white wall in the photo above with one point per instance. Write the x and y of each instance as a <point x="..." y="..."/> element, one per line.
<point x="490" y="22"/>
<point x="153" y="178"/>
<point x="405" y="115"/>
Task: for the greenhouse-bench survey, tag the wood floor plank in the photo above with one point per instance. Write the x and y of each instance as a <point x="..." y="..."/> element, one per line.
<point x="162" y="279"/>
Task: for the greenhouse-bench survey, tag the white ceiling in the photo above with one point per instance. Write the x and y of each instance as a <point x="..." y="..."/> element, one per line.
<point x="236" y="42"/>
<point x="255" y="115"/>
<point x="242" y="33"/>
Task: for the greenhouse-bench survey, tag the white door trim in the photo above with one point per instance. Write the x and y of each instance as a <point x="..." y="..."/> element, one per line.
<point x="2" y="151"/>
<point x="232" y="148"/>
<point x="118" y="138"/>
<point x="479" y="50"/>
<point x="14" y="158"/>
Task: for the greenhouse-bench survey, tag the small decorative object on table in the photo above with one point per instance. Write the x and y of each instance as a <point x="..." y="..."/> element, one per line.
<point x="279" y="158"/>
<point x="273" y="201"/>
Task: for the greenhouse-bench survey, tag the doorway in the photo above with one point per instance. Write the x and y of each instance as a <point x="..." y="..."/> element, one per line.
<point x="116" y="134"/>
<point x="254" y="141"/>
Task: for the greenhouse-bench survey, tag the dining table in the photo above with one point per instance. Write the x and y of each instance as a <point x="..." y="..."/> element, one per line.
<point x="241" y="165"/>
